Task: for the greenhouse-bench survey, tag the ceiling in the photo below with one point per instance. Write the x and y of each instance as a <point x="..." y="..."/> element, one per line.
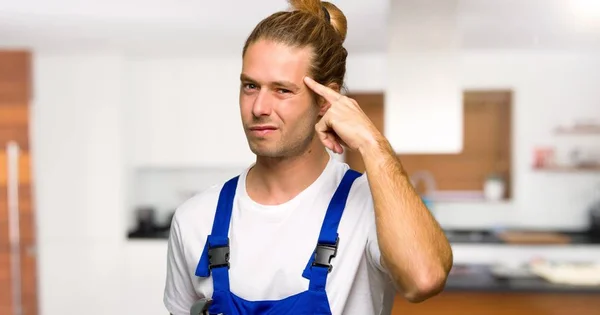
<point x="220" y="27"/>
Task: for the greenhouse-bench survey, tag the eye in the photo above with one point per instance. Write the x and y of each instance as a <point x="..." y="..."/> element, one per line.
<point x="283" y="91"/>
<point x="249" y="86"/>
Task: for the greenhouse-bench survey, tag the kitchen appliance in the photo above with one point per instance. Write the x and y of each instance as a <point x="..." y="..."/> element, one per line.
<point x="509" y="271"/>
<point x="146" y="219"/>
<point x="594" y="217"/>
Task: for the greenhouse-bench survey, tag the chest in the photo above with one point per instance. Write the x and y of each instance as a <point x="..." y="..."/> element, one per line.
<point x="268" y="255"/>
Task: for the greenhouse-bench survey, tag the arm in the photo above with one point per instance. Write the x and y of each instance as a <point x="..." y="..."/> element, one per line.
<point x="179" y="294"/>
<point x="413" y="247"/>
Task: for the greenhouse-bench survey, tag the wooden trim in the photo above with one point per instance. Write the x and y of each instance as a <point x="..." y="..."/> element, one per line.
<point x="14" y="115"/>
<point x="24" y="168"/>
<point x="15" y="76"/>
<point x="15" y="93"/>
<point x="18" y="134"/>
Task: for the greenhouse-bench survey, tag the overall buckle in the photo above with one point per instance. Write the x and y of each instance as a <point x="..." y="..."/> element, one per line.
<point x="201" y="307"/>
<point x="324" y="253"/>
<point x="218" y="256"/>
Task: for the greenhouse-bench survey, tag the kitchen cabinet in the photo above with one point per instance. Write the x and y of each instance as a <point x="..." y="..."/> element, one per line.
<point x="423" y="105"/>
<point x="502" y="303"/>
<point x="486" y="143"/>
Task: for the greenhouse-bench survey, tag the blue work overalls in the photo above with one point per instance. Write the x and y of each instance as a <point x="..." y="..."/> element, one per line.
<point x="215" y="261"/>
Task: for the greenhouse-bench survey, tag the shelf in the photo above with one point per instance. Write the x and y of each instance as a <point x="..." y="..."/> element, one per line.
<point x="589" y="130"/>
<point x="566" y="169"/>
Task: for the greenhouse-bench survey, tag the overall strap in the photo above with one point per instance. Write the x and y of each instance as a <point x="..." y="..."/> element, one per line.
<point x="319" y="265"/>
<point x="215" y="256"/>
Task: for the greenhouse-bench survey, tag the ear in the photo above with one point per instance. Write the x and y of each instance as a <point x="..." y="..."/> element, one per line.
<point x="323" y="104"/>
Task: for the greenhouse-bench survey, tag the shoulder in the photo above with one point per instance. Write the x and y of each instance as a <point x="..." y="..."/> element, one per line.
<point x="360" y="192"/>
<point x="359" y="186"/>
<point x="196" y="214"/>
<point x="200" y="205"/>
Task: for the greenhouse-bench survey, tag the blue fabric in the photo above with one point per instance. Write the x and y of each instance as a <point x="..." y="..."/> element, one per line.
<point x="220" y="228"/>
<point x="333" y="215"/>
<point x="313" y="301"/>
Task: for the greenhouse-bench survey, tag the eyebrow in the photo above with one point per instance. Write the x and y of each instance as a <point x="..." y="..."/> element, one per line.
<point x="245" y="78"/>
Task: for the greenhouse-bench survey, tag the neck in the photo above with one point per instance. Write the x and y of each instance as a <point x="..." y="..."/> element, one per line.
<point x="277" y="180"/>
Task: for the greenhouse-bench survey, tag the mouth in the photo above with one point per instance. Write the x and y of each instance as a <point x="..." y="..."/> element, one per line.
<point x="262" y="130"/>
<point x="263" y="127"/>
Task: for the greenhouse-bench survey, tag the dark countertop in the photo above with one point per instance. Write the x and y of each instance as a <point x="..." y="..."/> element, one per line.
<point x="479" y="278"/>
<point x="473" y="278"/>
<point x="489" y="237"/>
<point x="157" y="234"/>
<point x="454" y="236"/>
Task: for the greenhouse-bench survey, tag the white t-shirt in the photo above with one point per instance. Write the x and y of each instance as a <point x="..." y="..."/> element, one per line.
<point x="271" y="246"/>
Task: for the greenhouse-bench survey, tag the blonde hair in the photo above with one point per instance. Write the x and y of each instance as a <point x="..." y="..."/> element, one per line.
<point x="319" y="25"/>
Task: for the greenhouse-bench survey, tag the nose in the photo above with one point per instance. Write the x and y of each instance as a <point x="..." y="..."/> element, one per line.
<point x="262" y="104"/>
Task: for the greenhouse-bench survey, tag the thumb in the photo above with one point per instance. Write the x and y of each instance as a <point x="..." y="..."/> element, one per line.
<point x="328" y="137"/>
<point x="323" y="134"/>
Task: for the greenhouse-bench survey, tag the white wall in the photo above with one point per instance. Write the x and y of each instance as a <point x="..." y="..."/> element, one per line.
<point x="185" y="112"/>
<point x="98" y="115"/>
<point x="79" y="181"/>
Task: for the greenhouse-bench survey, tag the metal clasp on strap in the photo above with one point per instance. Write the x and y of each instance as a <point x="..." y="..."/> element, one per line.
<point x="200" y="307"/>
<point x="218" y="256"/>
<point x="324" y="253"/>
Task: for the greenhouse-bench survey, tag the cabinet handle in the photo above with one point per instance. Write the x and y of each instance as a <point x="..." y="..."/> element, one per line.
<point x="12" y="152"/>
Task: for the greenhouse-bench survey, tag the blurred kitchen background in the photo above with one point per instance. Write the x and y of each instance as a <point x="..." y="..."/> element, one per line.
<point x="112" y="113"/>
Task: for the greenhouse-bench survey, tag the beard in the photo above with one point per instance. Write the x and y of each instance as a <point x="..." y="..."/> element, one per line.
<point x="286" y="145"/>
<point x="288" y="140"/>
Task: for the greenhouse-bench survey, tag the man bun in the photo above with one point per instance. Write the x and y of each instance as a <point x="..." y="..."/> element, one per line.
<point x="337" y="19"/>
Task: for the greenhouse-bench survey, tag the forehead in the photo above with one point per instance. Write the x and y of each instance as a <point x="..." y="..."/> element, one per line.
<point x="269" y="61"/>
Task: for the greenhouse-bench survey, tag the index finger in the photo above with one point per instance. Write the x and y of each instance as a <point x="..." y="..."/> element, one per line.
<point x="327" y="93"/>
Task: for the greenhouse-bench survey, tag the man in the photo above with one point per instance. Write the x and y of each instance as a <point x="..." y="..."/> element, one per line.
<point x="298" y="232"/>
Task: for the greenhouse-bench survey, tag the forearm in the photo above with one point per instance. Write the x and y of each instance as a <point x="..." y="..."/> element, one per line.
<point x="413" y="246"/>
